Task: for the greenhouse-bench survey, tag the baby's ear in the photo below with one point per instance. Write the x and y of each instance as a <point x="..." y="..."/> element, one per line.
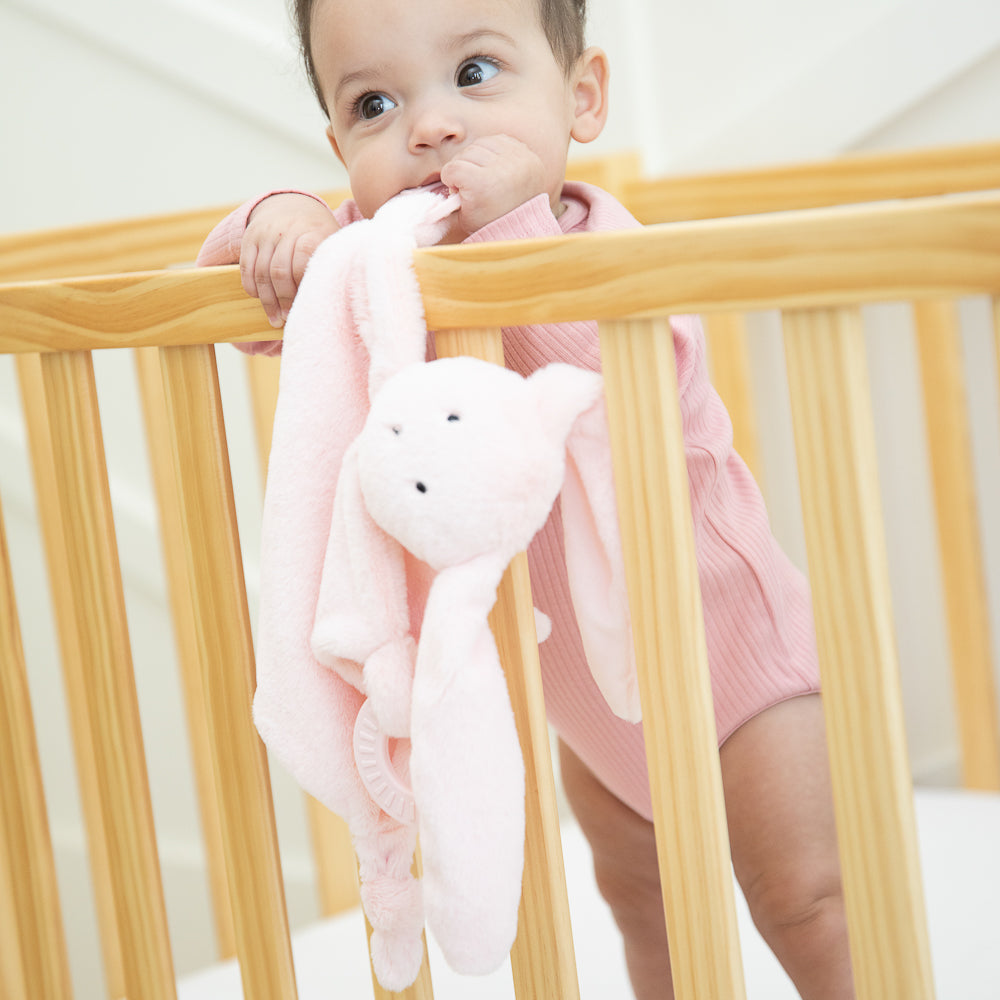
<point x="590" y="93"/>
<point x="561" y="393"/>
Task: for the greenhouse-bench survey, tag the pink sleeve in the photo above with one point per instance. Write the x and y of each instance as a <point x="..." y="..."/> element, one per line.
<point x="533" y="218"/>
<point x="223" y="244"/>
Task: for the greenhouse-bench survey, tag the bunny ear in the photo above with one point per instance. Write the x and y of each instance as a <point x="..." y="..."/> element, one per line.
<point x="303" y="711"/>
<point x="562" y="393"/>
<point x="595" y="564"/>
<point x="571" y="408"/>
<point x="388" y="307"/>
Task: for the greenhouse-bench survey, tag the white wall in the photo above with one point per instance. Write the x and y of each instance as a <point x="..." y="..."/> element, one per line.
<point x="110" y="110"/>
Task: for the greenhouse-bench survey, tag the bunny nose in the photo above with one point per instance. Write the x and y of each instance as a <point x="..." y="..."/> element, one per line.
<point x="421" y="488"/>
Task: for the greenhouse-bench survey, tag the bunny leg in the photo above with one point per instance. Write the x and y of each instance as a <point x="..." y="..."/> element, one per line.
<point x="392" y="901"/>
<point x="467" y="775"/>
<point x="471" y="814"/>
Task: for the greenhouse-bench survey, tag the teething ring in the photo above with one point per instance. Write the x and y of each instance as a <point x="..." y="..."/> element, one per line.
<point x="371" y="754"/>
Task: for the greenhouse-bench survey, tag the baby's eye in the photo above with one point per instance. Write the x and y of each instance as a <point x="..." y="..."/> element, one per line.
<point x="370" y="106"/>
<point x="476" y="71"/>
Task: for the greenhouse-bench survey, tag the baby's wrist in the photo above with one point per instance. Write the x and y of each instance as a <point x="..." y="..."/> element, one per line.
<point x="282" y="200"/>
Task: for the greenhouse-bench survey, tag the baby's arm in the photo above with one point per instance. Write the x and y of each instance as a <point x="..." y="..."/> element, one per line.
<point x="272" y="239"/>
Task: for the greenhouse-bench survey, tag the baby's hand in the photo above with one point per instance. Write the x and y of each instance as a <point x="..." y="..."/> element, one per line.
<point x="493" y="176"/>
<point x="282" y="233"/>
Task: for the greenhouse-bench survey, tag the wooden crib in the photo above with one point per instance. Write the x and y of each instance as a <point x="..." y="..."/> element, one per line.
<point x="816" y="266"/>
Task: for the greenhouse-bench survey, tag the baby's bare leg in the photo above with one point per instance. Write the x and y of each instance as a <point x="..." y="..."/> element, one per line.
<point x="777" y="786"/>
<point x="784" y="853"/>
<point x="627" y="873"/>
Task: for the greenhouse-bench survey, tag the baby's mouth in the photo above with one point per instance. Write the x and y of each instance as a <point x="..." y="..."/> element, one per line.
<point x="433" y="182"/>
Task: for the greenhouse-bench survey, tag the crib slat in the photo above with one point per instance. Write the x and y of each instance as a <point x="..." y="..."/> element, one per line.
<point x="835" y="446"/>
<point x="960" y="545"/>
<point x="222" y="626"/>
<point x="262" y="378"/>
<point x="336" y="864"/>
<point x="29" y="371"/>
<point x="729" y="360"/>
<point x="665" y="597"/>
<point x="543" y="959"/>
<point x="150" y="379"/>
<point x="106" y="682"/>
<point x="34" y="947"/>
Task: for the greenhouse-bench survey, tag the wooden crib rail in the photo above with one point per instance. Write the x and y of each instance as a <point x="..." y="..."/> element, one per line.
<point x="135" y="244"/>
<point x="855" y="178"/>
<point x="817" y="266"/>
<point x="923" y="248"/>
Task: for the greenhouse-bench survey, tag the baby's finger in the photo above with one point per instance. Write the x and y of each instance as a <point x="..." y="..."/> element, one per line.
<point x="248" y="264"/>
<point x="265" y="287"/>
<point x="282" y="278"/>
<point x="305" y="246"/>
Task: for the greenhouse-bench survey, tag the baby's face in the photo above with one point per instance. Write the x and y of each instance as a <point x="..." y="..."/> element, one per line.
<point x="408" y="85"/>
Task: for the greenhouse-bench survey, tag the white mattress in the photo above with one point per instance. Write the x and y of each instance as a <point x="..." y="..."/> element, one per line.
<point x="960" y="854"/>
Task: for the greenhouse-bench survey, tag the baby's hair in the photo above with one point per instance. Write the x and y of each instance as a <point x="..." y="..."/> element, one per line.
<point x="563" y="21"/>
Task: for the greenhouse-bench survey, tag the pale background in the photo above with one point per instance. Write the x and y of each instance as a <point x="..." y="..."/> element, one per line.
<point x="110" y="109"/>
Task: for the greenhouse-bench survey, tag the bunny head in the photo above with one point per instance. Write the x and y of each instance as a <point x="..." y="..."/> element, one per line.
<point x="459" y="457"/>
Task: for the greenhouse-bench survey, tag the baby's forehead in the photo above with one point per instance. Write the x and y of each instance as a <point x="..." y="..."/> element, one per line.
<point x="332" y="20"/>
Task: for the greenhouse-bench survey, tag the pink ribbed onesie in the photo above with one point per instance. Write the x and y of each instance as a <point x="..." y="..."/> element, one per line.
<point x="758" y="618"/>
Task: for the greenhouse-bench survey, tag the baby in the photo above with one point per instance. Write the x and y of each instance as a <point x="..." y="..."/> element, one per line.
<point x="483" y="98"/>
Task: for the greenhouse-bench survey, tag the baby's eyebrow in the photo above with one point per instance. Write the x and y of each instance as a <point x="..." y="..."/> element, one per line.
<point x="367" y="75"/>
<point x="479" y="35"/>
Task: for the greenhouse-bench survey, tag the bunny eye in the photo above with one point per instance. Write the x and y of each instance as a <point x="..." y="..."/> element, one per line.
<point x="397" y="430"/>
<point x="453" y="416"/>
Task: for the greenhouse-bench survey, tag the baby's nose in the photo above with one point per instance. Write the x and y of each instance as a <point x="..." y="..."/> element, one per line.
<point x="435" y="126"/>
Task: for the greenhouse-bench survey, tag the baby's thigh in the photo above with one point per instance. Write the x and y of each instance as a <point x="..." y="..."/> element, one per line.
<point x="776" y="777"/>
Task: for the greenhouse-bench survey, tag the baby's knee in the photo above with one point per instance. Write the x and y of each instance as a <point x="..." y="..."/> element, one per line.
<point x="805" y="895"/>
<point x="622" y="843"/>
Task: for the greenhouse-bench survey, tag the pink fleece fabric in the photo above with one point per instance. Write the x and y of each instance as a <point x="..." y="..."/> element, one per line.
<point x="758" y="616"/>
